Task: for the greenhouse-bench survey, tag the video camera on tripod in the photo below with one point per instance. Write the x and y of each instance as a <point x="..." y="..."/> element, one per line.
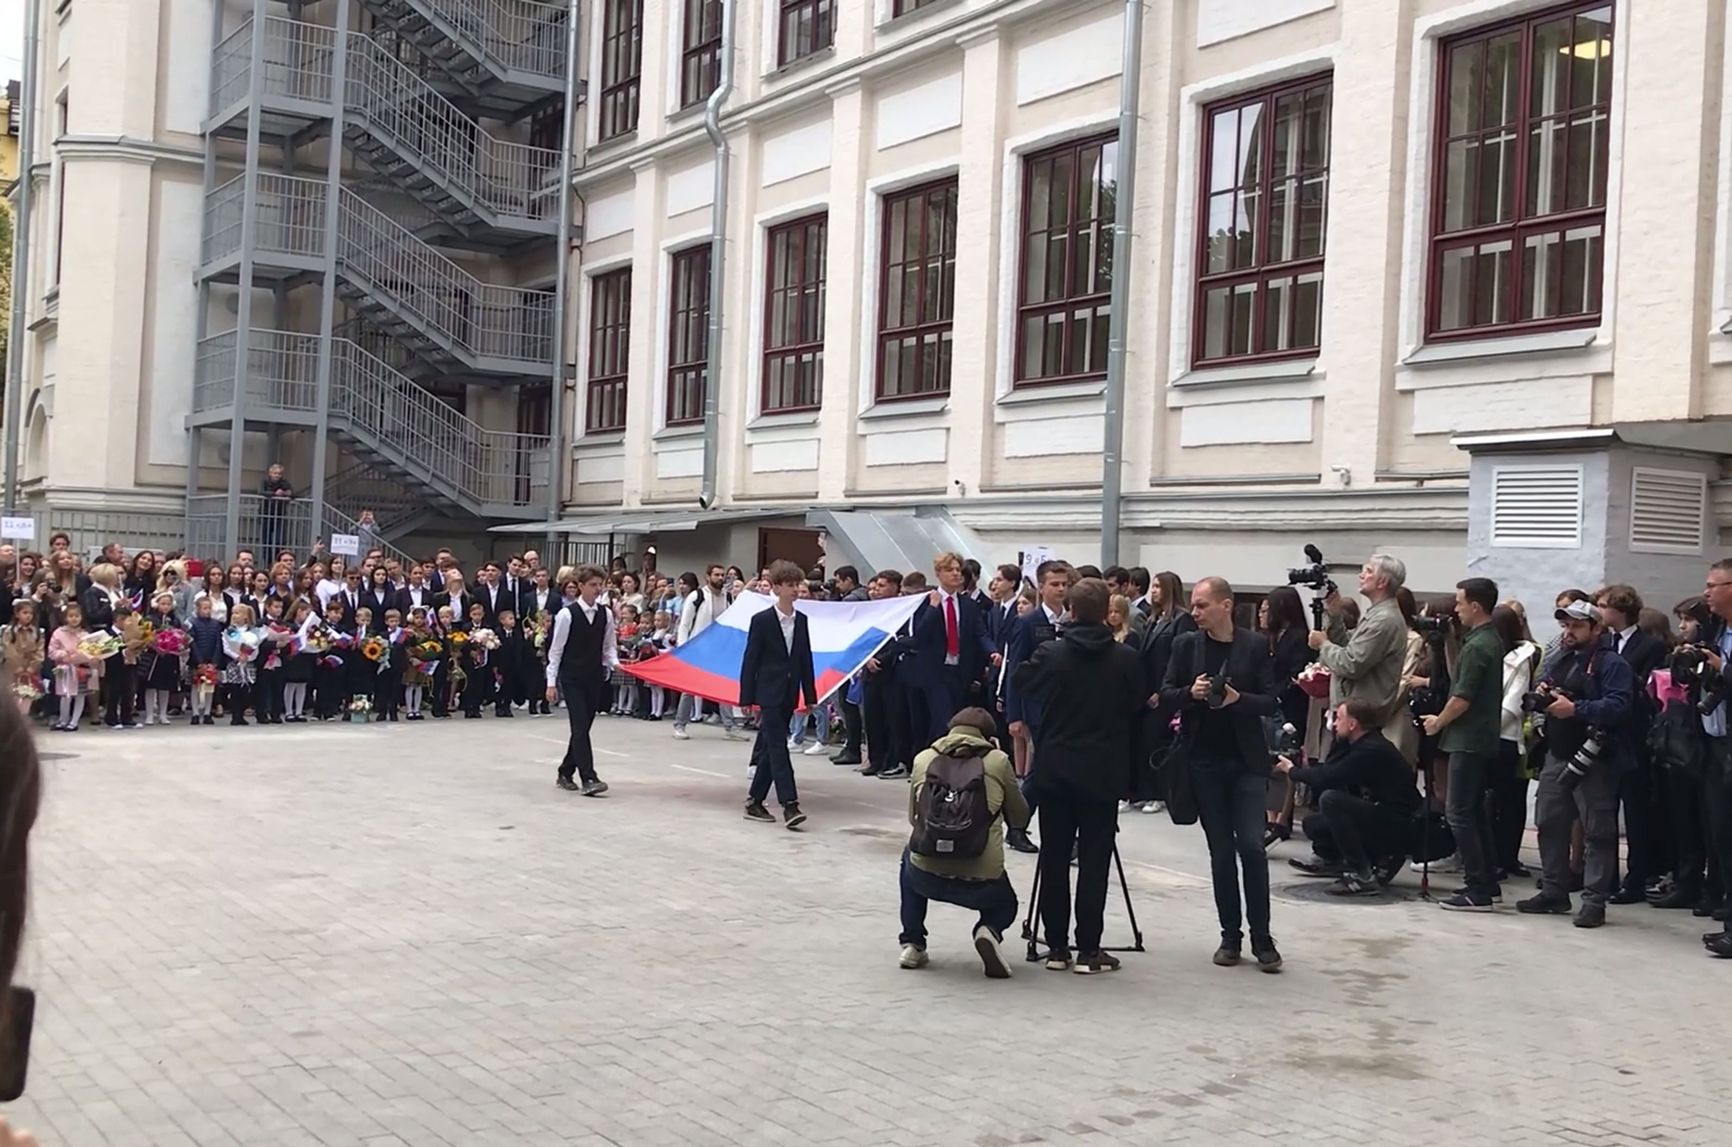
<point x="1316" y="577"/>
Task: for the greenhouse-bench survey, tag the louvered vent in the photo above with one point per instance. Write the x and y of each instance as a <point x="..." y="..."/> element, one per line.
<point x="1537" y="507"/>
<point x="1668" y="511"/>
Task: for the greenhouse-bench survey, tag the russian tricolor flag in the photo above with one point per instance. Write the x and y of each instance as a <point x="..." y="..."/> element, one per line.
<point x="844" y="635"/>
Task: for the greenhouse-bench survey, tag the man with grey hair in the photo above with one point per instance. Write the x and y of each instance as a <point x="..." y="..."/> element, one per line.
<point x="1366" y="664"/>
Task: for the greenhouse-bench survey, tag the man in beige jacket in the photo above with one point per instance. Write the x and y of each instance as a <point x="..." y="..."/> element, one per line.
<point x="1366" y="664"/>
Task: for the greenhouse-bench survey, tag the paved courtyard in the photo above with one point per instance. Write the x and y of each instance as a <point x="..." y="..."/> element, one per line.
<point x="354" y="935"/>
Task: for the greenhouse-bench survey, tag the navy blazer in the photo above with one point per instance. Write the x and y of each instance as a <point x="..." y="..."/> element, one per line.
<point x="925" y="646"/>
<point x="1027" y="634"/>
<point x="772" y="675"/>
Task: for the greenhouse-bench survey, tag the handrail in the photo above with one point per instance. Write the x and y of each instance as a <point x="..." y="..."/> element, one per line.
<point x="525" y="35"/>
<point x="476" y="466"/>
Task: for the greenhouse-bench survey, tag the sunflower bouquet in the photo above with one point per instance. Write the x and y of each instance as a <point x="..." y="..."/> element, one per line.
<point x="377" y="650"/>
<point x="426" y="651"/>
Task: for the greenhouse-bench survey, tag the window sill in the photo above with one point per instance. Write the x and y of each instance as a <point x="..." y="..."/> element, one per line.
<point x="883" y="409"/>
<point x="598" y="438"/>
<point x="781" y="421"/>
<point x="1548" y="342"/>
<point x="612" y="143"/>
<point x="1031" y="393"/>
<point x="1279" y="371"/>
<point x="678" y="433"/>
<point x="895" y="24"/>
<point x="693" y="113"/>
<point x="824" y="55"/>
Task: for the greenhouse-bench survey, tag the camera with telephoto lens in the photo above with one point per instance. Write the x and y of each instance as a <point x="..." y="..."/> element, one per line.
<point x="1315" y="575"/>
<point x="1581" y="762"/>
<point x="1434" y="626"/>
<point x="1691" y="671"/>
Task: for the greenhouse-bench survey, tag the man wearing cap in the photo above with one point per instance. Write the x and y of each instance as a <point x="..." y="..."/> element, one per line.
<point x="1592" y="691"/>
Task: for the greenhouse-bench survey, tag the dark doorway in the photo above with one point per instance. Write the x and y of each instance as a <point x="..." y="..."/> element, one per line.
<point x="798" y="546"/>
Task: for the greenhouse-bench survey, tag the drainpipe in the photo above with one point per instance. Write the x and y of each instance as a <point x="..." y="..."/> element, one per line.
<point x="556" y="448"/>
<point x="1112" y="471"/>
<point x="718" y="251"/>
<point x="21" y="251"/>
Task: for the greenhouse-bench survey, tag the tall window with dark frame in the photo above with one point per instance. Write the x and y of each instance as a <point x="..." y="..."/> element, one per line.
<point x="701" y="54"/>
<point x="1066" y="262"/>
<point x="621" y="66"/>
<point x="688" y="335"/>
<point x="903" y="7"/>
<point x="1519" y="209"/>
<point x="794" y="315"/>
<point x="609" y="350"/>
<point x="1260" y="244"/>
<point x="806" y="26"/>
<point x="917" y="291"/>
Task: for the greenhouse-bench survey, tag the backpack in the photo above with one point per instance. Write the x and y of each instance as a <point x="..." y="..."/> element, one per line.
<point x="952" y="820"/>
<point x="1675" y="741"/>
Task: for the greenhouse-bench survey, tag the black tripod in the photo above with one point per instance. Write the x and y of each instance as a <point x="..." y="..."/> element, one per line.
<point x="1028" y="929"/>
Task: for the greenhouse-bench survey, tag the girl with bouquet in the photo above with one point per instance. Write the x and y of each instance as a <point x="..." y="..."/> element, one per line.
<point x="21" y="652"/>
<point x="298" y="672"/>
<point x="159" y="670"/>
<point x="241" y="641"/>
<point x="661" y="640"/>
<point x="424" y="652"/>
<point x="204" y="655"/>
<point x="75" y="670"/>
<point x="624" y="684"/>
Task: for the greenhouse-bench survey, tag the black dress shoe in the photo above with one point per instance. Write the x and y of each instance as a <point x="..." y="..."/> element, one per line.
<point x="871" y="771"/>
<point x="845" y="759"/>
<point x="1678" y="898"/>
<point x="1720" y="946"/>
<point x="1627" y="896"/>
<point x="1704" y="908"/>
<point x="567" y="784"/>
<point x="1017" y="839"/>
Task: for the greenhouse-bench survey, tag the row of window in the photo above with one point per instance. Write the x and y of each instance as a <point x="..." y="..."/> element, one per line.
<point x="1518" y="223"/>
<point x="803" y="27"/>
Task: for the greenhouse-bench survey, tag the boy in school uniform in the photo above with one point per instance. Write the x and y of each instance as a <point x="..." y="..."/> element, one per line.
<point x="512" y="655"/>
<point x="775" y="674"/>
<point x="388" y="682"/>
<point x="580" y="655"/>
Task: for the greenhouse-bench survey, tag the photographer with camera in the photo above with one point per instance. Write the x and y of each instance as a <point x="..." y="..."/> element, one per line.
<point x="1367" y="663"/>
<point x="1365" y="806"/>
<point x="1586" y="697"/>
<point x="1468" y="729"/>
<point x="1220" y="680"/>
<point x="1716" y="722"/>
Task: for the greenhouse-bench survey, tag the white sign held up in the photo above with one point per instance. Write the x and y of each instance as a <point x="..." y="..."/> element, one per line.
<point x="348" y="545"/>
<point x="18" y="529"/>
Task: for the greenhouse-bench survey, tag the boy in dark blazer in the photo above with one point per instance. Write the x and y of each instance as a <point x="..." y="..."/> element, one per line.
<point x="774" y="674"/>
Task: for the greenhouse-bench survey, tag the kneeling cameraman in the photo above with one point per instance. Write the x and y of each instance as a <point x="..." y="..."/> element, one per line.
<point x="1586" y="697"/>
<point x="1367" y="802"/>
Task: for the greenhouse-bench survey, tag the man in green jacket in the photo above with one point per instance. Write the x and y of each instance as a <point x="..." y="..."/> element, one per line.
<point x="970" y="881"/>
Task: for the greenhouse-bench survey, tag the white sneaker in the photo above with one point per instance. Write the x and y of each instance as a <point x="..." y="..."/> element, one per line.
<point x="817" y="749"/>
<point x="1152" y="807"/>
<point x="913" y="956"/>
<point x="1124" y="806"/>
<point x="991" y="957"/>
<point x="793" y="745"/>
<point x="681" y="735"/>
<point x="735" y="733"/>
<point x="149" y="720"/>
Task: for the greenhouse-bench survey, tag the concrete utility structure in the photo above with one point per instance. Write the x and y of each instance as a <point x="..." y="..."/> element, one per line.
<point x="1447" y="277"/>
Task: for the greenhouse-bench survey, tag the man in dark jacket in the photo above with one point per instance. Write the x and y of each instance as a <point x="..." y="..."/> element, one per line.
<point x="1220" y="680"/>
<point x="1638" y="787"/>
<point x="1365" y="806"/>
<point x="947" y="648"/>
<point x="774" y="674"/>
<point x="1092" y="692"/>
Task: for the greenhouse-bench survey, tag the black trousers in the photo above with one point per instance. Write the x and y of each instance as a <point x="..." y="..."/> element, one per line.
<point x="268" y="694"/>
<point x="886" y="721"/>
<point x="1231" y="809"/>
<point x="1071" y="814"/>
<point x="852" y="722"/>
<point x="388" y="691"/>
<point x="582" y="698"/>
<point x="1688" y="815"/>
<point x="330" y="691"/>
<point x="441" y="688"/>
<point x="1509" y="806"/>
<point x="118" y="687"/>
<point x="770" y="760"/>
<point x="1717" y="796"/>
<point x="1356" y="832"/>
<point x="1642" y="826"/>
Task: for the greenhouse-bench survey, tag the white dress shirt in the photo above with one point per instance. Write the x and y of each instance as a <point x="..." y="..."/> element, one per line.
<point x="1622" y="638"/>
<point x="944" y="602"/>
<point x="562" y="631"/>
<point x="787" y="620"/>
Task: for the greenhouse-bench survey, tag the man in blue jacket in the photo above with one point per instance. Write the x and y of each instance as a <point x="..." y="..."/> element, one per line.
<point x="948" y="648"/>
<point x="1592" y="690"/>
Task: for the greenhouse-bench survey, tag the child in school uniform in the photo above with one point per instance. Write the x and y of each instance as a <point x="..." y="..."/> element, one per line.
<point x="159" y="673"/>
<point x="624" y="684"/>
<point x="120" y="671"/>
<point x="22" y="648"/>
<point x="204" y="657"/>
<point x="75" y="673"/>
<point x="299" y="665"/>
<point x="333" y="642"/>
<point x="241" y="642"/>
<point x="477" y="665"/>
<point x="540" y="633"/>
<point x="273" y="654"/>
<point x="418" y="674"/>
<point x="444" y="625"/>
<point x="388" y="682"/>
<point x="361" y="673"/>
<point x="509" y="660"/>
<point x="661" y="640"/>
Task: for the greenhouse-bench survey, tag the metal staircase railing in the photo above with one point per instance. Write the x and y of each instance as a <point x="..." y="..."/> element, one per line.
<point x="411" y="288"/>
<point x="364" y="486"/>
<point x="337" y="522"/>
<point x="402" y="126"/>
<point x="489" y="473"/>
<point x="526" y="37"/>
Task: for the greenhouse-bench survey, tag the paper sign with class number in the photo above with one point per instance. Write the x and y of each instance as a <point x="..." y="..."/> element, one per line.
<point x="1032" y="557"/>
<point x="19" y="529"/>
<point x="348" y="545"/>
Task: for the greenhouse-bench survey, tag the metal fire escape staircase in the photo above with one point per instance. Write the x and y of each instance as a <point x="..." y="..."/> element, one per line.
<point x="496" y="57"/>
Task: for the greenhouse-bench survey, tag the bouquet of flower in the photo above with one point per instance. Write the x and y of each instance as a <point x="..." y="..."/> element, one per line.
<point x="426" y="651"/>
<point x="1314" y="680"/>
<point x="204" y="681"/>
<point x="100" y="646"/>
<point x="171" y="642"/>
<point x="28" y="690"/>
<point x="485" y="638"/>
<point x="538" y="635"/>
<point x="376" y="649"/>
<point x="246" y="645"/>
<point x="362" y="705"/>
<point x="459" y="640"/>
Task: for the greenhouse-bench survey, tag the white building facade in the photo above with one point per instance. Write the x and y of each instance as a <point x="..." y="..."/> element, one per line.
<point x="1443" y="278"/>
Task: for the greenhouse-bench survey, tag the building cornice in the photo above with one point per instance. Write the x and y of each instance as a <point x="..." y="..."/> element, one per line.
<point x="796" y="95"/>
<point x="124" y="149"/>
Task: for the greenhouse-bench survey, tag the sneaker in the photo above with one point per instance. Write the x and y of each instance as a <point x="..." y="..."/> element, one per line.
<point x="1449" y="865"/>
<point x="1125" y="806"/>
<point x="795" y="746"/>
<point x="1150" y="808"/>
<point x="1316" y="866"/>
<point x="991" y="956"/>
<point x="1466" y="901"/>
<point x="734" y="733"/>
<point x="1226" y="956"/>
<point x="1591" y="916"/>
<point x="1058" y="960"/>
<point x="893" y="774"/>
<point x="1093" y="963"/>
<point x="792" y="817"/>
<point x="1543" y="905"/>
<point x="1268" y="959"/>
<point x="680" y="734"/>
<point x="817" y="749"/>
<point x="567" y="784"/>
<point x="913" y="955"/>
<point x="593" y="788"/>
<point x="1496" y="893"/>
<point x="755" y="810"/>
<point x="1354" y="884"/>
